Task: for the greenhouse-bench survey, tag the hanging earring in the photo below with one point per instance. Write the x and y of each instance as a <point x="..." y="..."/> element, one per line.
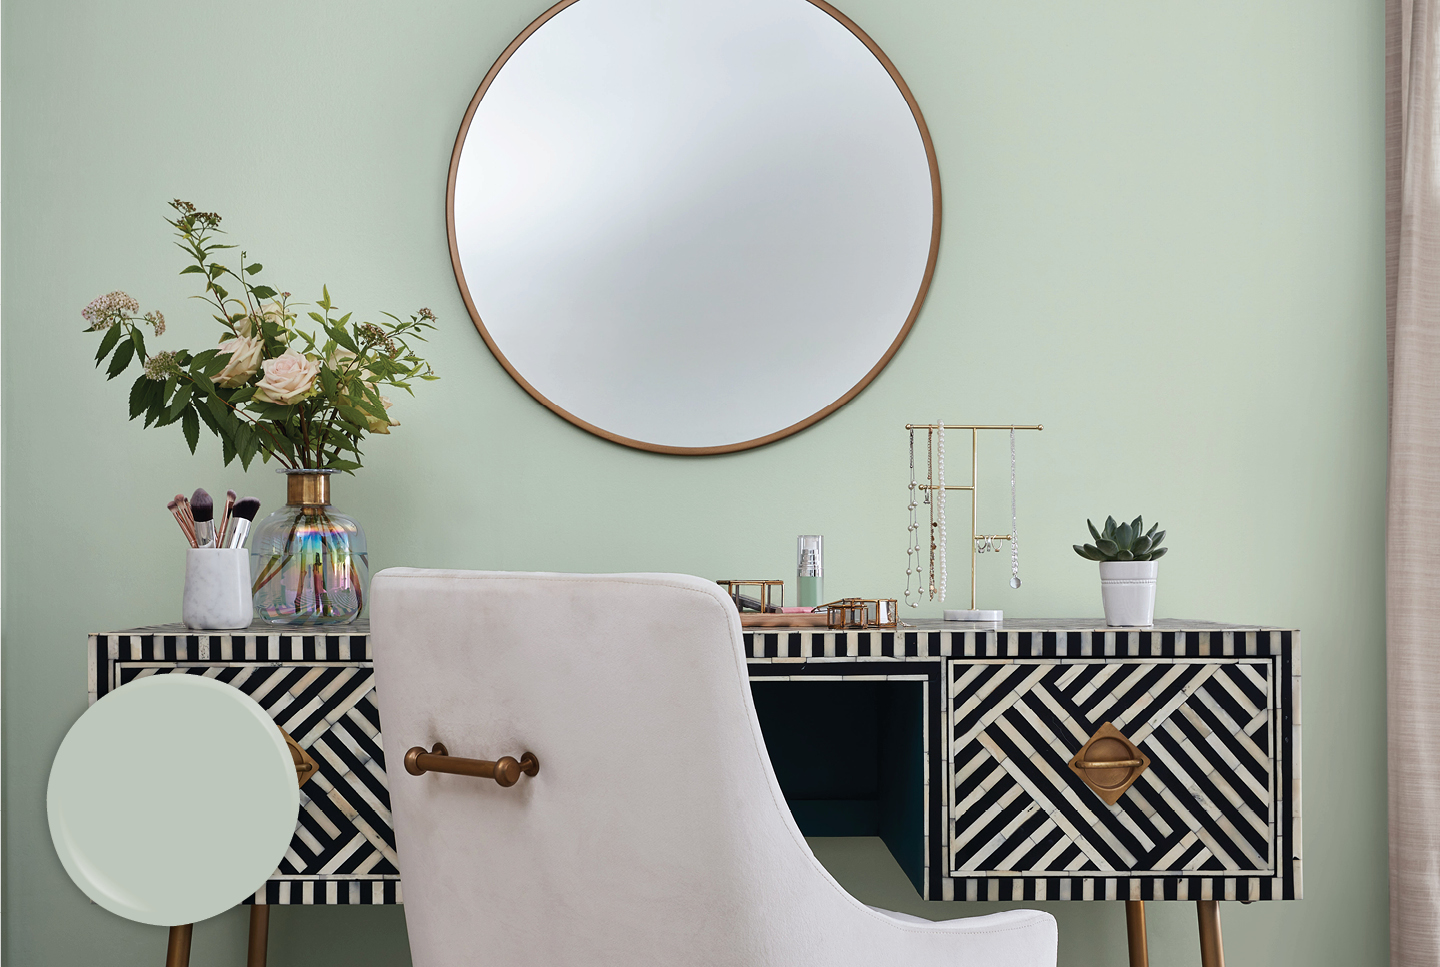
<point x="1014" y="523"/>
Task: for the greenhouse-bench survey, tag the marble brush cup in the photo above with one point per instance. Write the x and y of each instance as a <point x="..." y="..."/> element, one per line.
<point x="217" y="588"/>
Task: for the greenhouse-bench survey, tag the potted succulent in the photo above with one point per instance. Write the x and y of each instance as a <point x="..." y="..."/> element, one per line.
<point x="1128" y="556"/>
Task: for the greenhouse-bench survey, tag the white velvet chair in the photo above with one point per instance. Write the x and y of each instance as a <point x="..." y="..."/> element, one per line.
<point x="655" y="832"/>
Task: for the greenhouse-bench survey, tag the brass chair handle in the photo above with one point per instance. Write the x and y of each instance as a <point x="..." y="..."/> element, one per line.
<point x="505" y="771"/>
<point x="1110" y="764"/>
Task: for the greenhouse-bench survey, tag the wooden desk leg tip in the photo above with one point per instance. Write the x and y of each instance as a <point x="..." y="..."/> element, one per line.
<point x="259" y="935"/>
<point x="177" y="952"/>
<point x="1135" y="933"/>
<point x="1212" y="952"/>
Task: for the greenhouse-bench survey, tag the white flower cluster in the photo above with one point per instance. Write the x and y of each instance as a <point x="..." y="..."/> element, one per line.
<point x="161" y="367"/>
<point x="109" y="309"/>
<point x="156" y="319"/>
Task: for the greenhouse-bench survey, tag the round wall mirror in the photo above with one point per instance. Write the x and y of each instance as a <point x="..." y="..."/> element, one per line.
<point x="693" y="226"/>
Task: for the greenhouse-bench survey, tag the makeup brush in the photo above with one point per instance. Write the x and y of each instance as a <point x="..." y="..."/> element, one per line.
<point x="202" y="508"/>
<point x="183" y="503"/>
<point x="224" y="519"/>
<point x="174" y="508"/>
<point x="245" y="510"/>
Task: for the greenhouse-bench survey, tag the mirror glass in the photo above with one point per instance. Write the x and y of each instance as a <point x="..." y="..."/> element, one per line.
<point x="693" y="226"/>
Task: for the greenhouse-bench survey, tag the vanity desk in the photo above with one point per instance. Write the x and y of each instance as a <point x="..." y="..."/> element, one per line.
<point x="967" y="749"/>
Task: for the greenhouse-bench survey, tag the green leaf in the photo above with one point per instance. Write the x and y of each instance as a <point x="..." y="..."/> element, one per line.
<point x="1109" y="530"/>
<point x="1124" y="556"/>
<point x="228" y="449"/>
<point x="353" y="416"/>
<point x="1107" y="547"/>
<point x="1156" y="555"/>
<point x="220" y="290"/>
<point x="328" y="384"/>
<point x="123" y="355"/>
<point x="325" y="297"/>
<point x="241" y="395"/>
<point x="210" y="421"/>
<point x="138" y="392"/>
<point x="253" y="267"/>
<point x="248" y="445"/>
<point x="191" y="425"/>
<point x="1137" y="525"/>
<point x="1093" y="532"/>
<point x="112" y="336"/>
<point x="263" y="292"/>
<point x="216" y="270"/>
<point x="1141" y="546"/>
<point x="1090" y="552"/>
<point x="189" y="269"/>
<point x="138" y="338"/>
<point x="343" y="338"/>
<point x="1158" y="539"/>
<point x="181" y="400"/>
<point x="1151" y="532"/>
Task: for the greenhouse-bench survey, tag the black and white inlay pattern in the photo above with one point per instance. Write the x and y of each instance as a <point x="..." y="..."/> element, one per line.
<point x="1205" y="807"/>
<point x="343" y="850"/>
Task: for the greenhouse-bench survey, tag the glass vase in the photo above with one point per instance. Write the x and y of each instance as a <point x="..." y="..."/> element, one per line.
<point x="308" y="563"/>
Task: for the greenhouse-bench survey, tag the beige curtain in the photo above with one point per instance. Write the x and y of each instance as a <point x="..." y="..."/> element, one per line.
<point x="1413" y="522"/>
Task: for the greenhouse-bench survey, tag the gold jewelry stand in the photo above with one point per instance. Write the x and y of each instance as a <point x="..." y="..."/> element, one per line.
<point x="930" y="486"/>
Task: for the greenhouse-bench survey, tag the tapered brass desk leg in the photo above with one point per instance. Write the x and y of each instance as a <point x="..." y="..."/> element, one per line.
<point x="177" y="954"/>
<point x="1212" y="953"/>
<point x="259" y="935"/>
<point x="1135" y="932"/>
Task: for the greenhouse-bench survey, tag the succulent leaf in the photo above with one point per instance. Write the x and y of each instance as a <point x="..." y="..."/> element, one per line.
<point x="1090" y="552"/>
<point x="1158" y="539"/>
<point x="1151" y="532"/>
<point x="1137" y="525"/>
<point x="1124" y="556"/>
<point x="1093" y="532"/>
<point x="1141" y="546"/>
<point x="1109" y="531"/>
<point x="1124" y="537"/>
<point x="1108" y="548"/>
<point x="1156" y="555"/>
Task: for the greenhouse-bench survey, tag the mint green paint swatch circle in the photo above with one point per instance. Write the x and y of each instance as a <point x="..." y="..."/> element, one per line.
<point x="172" y="799"/>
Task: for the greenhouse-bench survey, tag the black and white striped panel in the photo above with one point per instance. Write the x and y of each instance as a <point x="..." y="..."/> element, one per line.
<point x="1207" y="806"/>
<point x="343" y="850"/>
<point x="783" y="643"/>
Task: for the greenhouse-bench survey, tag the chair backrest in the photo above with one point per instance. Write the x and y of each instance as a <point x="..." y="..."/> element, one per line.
<point x="655" y="831"/>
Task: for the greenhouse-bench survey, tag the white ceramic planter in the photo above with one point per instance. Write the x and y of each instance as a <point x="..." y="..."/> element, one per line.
<point x="1127" y="589"/>
<point x="217" y="588"/>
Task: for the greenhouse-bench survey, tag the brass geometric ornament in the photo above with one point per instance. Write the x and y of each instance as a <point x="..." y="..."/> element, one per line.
<point x="1109" y="763"/>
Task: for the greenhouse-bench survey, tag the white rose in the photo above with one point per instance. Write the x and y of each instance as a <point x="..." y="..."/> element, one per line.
<point x="288" y="379"/>
<point x="340" y="360"/>
<point x="274" y="312"/>
<point x="245" y="355"/>
<point x="243" y="326"/>
<point x="382" y="426"/>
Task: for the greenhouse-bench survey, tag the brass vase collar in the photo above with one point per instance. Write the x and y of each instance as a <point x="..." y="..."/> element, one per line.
<point x="307" y="487"/>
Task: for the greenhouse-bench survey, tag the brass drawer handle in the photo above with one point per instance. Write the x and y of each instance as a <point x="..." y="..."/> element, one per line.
<point x="505" y="771"/>
<point x="1116" y="764"/>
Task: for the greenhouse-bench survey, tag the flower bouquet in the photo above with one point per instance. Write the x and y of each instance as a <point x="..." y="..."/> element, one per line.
<point x="307" y="399"/>
<point x="269" y="387"/>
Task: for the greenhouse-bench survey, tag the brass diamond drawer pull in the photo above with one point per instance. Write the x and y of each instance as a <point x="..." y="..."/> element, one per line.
<point x="1109" y="763"/>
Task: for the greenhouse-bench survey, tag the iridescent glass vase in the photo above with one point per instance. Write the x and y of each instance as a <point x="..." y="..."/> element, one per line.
<point x="308" y="564"/>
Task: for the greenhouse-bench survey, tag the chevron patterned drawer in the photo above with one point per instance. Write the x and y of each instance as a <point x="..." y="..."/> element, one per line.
<point x="321" y="690"/>
<point x="1213" y="814"/>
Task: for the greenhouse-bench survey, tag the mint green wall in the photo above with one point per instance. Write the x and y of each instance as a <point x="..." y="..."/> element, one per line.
<point x="1163" y="239"/>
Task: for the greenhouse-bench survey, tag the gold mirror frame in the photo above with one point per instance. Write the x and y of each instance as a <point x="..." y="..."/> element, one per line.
<point x="854" y="391"/>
